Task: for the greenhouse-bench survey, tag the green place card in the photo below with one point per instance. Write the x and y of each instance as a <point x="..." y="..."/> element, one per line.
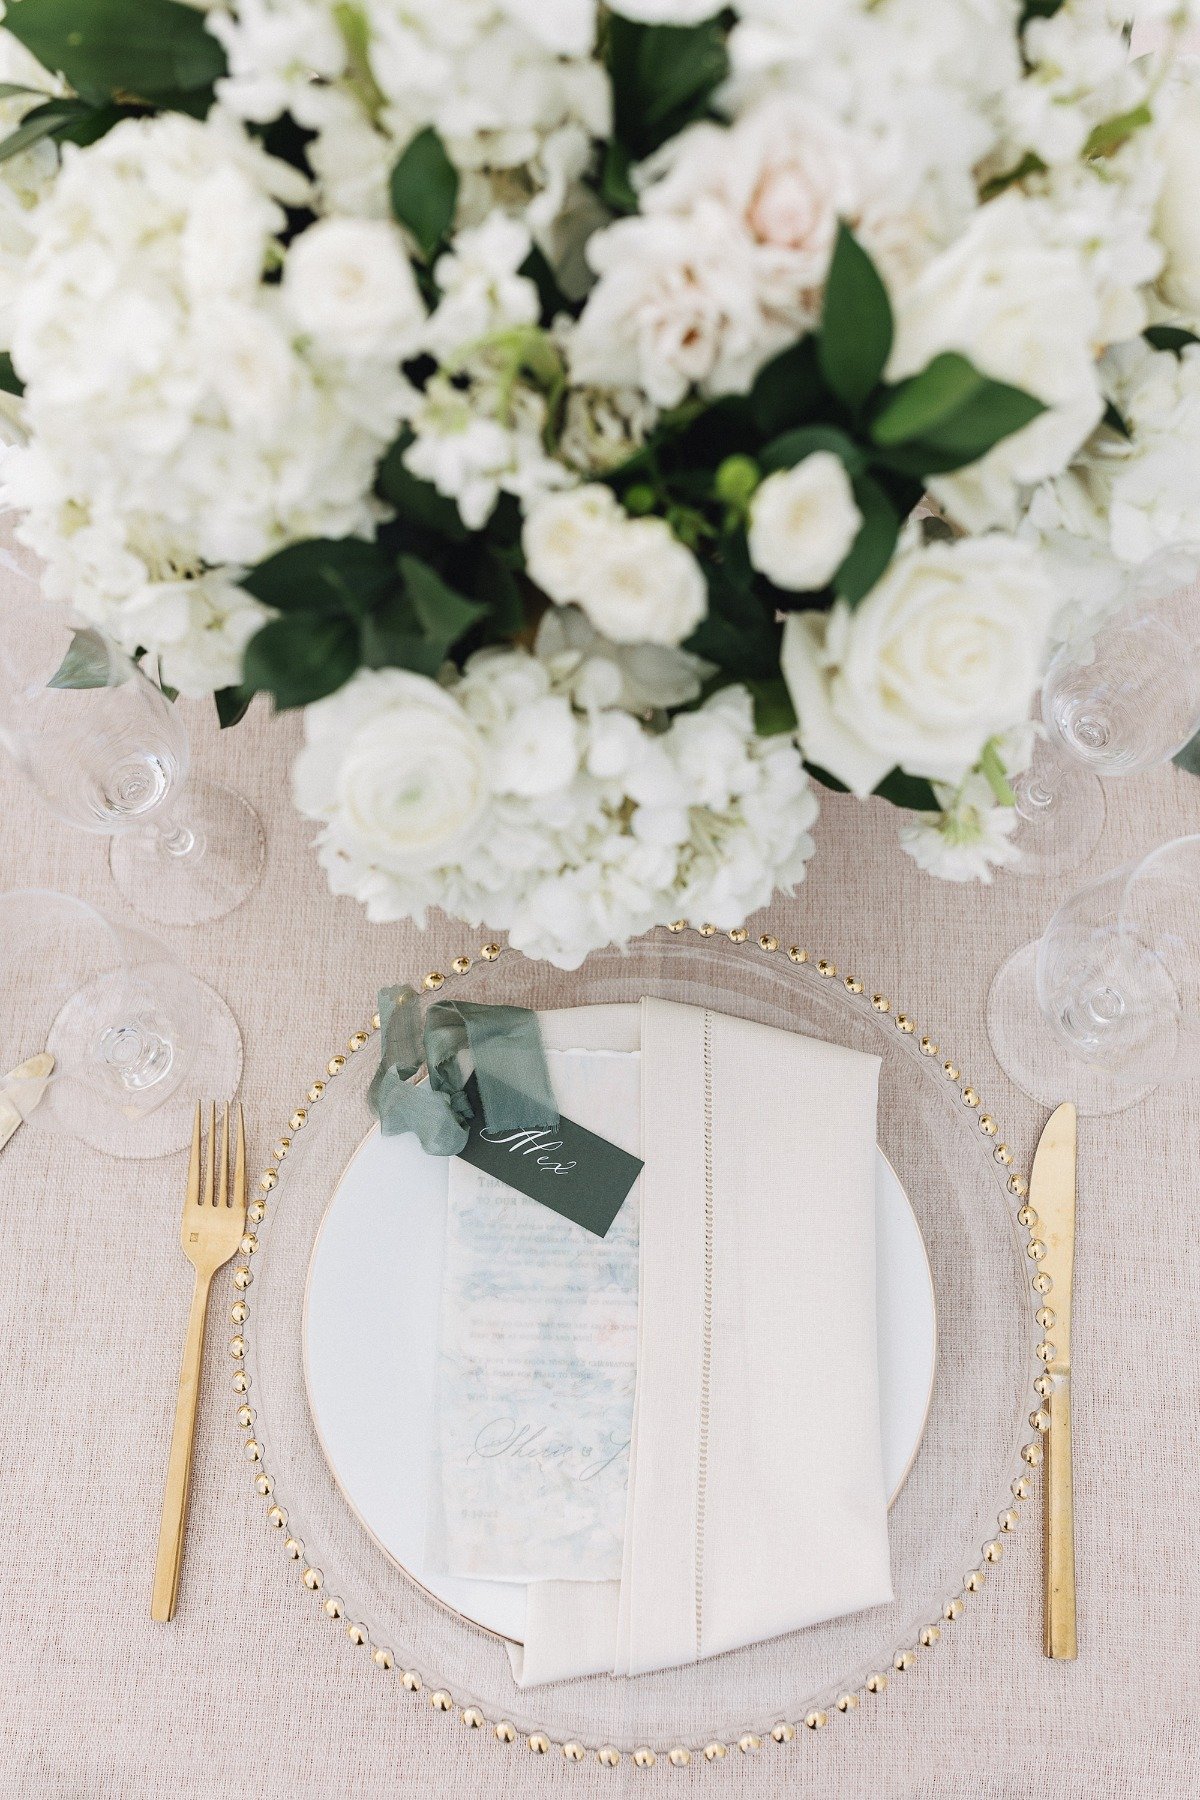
<point x="569" y="1169"/>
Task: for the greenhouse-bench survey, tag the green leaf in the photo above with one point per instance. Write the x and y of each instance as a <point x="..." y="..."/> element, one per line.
<point x="355" y="33"/>
<point x="874" y="547"/>
<point x="10" y="381"/>
<point x="418" y="502"/>
<point x="616" y="189"/>
<point x="551" y="298"/>
<point x="739" y="632"/>
<point x="663" y="77"/>
<point x="143" y="49"/>
<point x="497" y="587"/>
<point x="910" y="791"/>
<point x="322" y="575"/>
<point x="786" y="451"/>
<point x="856" y="322"/>
<point x="1189" y="757"/>
<point x="10" y="89"/>
<point x="788" y="389"/>
<point x="90" y="662"/>
<point x="445" y="614"/>
<point x="1038" y="9"/>
<point x="301" y="658"/>
<point x="773" y="709"/>
<point x="424" y="190"/>
<point x="996" y="775"/>
<point x="826" y="779"/>
<point x="1169" y="337"/>
<point x="1030" y="164"/>
<point x="232" y="704"/>
<point x="1110" y="134"/>
<point x="1112" y="418"/>
<point x="43" y="122"/>
<point x="949" y="415"/>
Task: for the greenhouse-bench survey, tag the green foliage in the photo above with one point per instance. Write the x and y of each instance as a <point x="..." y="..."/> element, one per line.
<point x="948" y="416"/>
<point x="156" y="52"/>
<point x="90" y="662"/>
<point x="424" y="191"/>
<point x="774" y="713"/>
<point x="739" y="632"/>
<point x="873" y="548"/>
<point x="910" y="791"/>
<point x="1189" y="757"/>
<point x="342" y="575"/>
<point x="793" y="446"/>
<point x="232" y="704"/>
<point x="663" y="77"/>
<point x="10" y="381"/>
<point x="417" y="503"/>
<point x="856" y="323"/>
<point x="301" y="657"/>
<point x="1110" y="134"/>
<point x="1169" y="337"/>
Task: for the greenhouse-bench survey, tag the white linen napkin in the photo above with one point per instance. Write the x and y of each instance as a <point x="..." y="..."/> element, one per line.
<point x="756" y="1501"/>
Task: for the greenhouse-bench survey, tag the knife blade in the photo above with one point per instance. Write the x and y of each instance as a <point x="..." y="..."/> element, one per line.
<point x="1052" y="1197"/>
<point x="21" y="1090"/>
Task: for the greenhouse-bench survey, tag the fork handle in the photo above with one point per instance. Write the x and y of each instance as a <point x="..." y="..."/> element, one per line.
<point x="179" y="1467"/>
<point x="1059" y="1504"/>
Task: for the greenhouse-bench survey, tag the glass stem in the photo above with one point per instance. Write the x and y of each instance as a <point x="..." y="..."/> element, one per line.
<point x="176" y="837"/>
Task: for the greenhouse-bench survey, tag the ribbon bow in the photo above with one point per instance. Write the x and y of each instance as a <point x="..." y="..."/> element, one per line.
<point x="510" y="1070"/>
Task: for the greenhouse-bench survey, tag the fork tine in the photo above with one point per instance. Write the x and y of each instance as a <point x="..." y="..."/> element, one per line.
<point x="223" y="1183"/>
<point x="193" y="1185"/>
<point x="210" y="1154"/>
<point x="239" y="1171"/>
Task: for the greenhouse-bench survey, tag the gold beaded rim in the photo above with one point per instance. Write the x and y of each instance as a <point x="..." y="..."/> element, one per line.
<point x="644" y="1756"/>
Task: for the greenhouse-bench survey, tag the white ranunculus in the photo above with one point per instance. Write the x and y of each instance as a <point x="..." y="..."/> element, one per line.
<point x="643" y="586"/>
<point x="945" y="652"/>
<point x="1177" y="221"/>
<point x="803" y="520"/>
<point x="1020" y="306"/>
<point x="561" y="536"/>
<point x="350" y="285"/>
<point x="396" y="760"/>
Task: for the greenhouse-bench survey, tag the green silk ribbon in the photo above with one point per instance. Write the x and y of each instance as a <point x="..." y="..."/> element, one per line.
<point x="510" y="1069"/>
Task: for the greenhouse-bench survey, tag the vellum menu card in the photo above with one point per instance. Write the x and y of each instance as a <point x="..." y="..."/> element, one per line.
<point x="537" y="1361"/>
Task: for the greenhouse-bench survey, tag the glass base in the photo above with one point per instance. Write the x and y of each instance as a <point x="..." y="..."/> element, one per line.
<point x="1030" y="1054"/>
<point x="213" y="1073"/>
<point x="1061" y="811"/>
<point x="202" y="880"/>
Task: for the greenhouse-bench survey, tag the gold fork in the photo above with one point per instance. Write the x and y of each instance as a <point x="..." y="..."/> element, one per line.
<point x="213" y="1223"/>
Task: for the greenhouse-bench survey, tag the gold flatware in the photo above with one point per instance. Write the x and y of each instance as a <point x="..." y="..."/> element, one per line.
<point x="214" y="1219"/>
<point x="1052" y="1197"/>
<point x="20" y="1091"/>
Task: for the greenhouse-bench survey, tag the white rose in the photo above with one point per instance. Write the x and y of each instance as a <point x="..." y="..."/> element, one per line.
<point x="561" y="535"/>
<point x="1022" y="309"/>
<point x="945" y="652"/>
<point x="643" y="586"/>
<point x="395" y="765"/>
<point x="1177" y="221"/>
<point x="803" y="520"/>
<point x="350" y="286"/>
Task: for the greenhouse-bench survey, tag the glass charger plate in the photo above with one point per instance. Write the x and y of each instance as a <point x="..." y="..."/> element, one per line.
<point x="950" y="1522"/>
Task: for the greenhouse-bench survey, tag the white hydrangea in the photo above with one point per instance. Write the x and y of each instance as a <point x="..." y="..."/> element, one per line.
<point x="511" y="87"/>
<point x="500" y="800"/>
<point x="25" y="179"/>
<point x="184" y="421"/>
<point x="477" y="441"/>
<point x="481" y="291"/>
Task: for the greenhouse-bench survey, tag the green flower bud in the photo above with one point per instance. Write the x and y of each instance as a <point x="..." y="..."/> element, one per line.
<point x="640" y="498"/>
<point x="736" y="479"/>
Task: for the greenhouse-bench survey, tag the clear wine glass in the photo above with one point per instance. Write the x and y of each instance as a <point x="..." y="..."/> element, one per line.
<point x="1105" y="1006"/>
<point x="113" y="758"/>
<point x="136" y="1039"/>
<point x="1125" y="699"/>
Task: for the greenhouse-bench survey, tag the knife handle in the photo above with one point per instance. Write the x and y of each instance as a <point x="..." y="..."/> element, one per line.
<point x="1059" y="1513"/>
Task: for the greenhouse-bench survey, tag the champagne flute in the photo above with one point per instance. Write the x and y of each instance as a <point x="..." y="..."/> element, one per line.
<point x="1105" y="1006"/>
<point x="1125" y="699"/>
<point x="109" y="753"/>
<point x="135" y="1038"/>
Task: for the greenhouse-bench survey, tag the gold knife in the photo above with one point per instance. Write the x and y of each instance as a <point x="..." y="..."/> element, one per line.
<point x="1052" y="1197"/>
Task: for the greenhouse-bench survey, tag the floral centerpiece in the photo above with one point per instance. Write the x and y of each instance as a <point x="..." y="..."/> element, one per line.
<point x="610" y="423"/>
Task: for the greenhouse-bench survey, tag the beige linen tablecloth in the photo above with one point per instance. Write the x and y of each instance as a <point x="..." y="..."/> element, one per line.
<point x="246" y="1693"/>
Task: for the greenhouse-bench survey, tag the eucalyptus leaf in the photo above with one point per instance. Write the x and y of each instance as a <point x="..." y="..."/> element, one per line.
<point x="874" y="546"/>
<point x="301" y="658"/>
<point x="424" y="190"/>
<point x="90" y="662"/>
<point x="145" y="49"/>
<point x="856" y="322"/>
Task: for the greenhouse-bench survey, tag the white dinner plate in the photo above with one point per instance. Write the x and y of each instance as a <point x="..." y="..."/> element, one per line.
<point x="370" y="1351"/>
